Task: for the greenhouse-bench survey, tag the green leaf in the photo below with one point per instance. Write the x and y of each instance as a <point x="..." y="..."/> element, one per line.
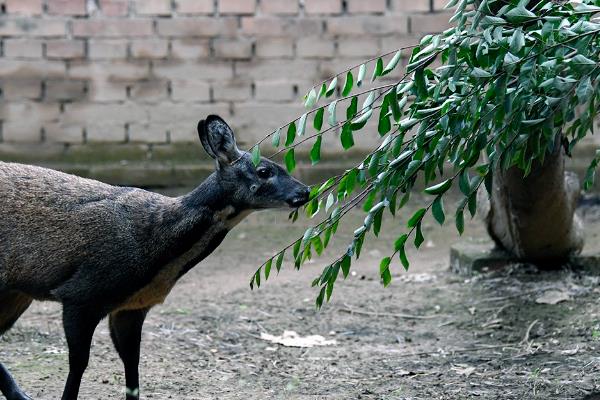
<point x="392" y="64"/>
<point x="378" y="69"/>
<point x="439" y="188"/>
<point x="348" y="84"/>
<point x="419" y="239"/>
<point x="517" y="41"/>
<point x="291" y="134"/>
<point x="416" y="218"/>
<point x="384" y="125"/>
<point x="315" y="151"/>
<point x="345" y="264"/>
<point x="301" y="125"/>
<point x="404" y="259"/>
<point x="460" y="222"/>
<point x="437" y="209"/>
<point x="268" y="268"/>
<point x="279" y="261"/>
<point x="584" y="90"/>
<point x="394" y="105"/>
<point x="332" y="86"/>
<point x="311" y="98"/>
<point x="361" y="74"/>
<point x="256" y="155"/>
<point x="384" y="271"/>
<point x="290" y="160"/>
<point x="276" y="137"/>
<point x="332" y="113"/>
<point x="346" y="137"/>
<point x="519" y="14"/>
<point x="318" y="121"/>
<point x="480" y="73"/>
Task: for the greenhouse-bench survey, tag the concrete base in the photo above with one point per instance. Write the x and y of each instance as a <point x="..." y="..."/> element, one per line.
<point x="475" y="257"/>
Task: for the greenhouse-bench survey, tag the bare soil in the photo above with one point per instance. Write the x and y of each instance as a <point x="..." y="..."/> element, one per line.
<point x="431" y="335"/>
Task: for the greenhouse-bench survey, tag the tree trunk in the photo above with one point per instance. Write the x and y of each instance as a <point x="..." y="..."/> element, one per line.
<point x="534" y="217"/>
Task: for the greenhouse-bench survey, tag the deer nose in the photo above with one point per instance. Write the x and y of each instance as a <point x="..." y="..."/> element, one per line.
<point x="300" y="197"/>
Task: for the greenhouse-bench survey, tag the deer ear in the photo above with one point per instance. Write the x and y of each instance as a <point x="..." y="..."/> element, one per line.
<point x="218" y="140"/>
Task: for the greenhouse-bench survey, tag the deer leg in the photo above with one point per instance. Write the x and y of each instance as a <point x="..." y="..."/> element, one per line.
<point x="12" y="305"/>
<point x="126" y="334"/>
<point x="79" y="324"/>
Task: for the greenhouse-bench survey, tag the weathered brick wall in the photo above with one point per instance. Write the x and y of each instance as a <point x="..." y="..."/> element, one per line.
<point x="129" y="79"/>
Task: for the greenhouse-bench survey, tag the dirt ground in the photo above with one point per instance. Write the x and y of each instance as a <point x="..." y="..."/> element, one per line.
<point x="431" y="335"/>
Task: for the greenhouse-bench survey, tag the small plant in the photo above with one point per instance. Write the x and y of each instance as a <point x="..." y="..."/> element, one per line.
<point x="510" y="81"/>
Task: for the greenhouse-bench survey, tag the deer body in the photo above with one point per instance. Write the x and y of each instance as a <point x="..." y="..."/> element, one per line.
<point x="104" y="250"/>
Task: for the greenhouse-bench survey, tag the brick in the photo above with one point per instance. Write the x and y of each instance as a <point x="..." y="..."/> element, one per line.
<point x="23" y="121"/>
<point x="275" y="48"/>
<point x="283" y="7"/>
<point x="104" y="122"/>
<point x="275" y="26"/>
<point x="33" y="27"/>
<point x="190" y="90"/>
<point x="65" y="89"/>
<point x="153" y="7"/>
<point x="67" y="7"/>
<point x="59" y="132"/>
<point x="390" y="43"/>
<point x="195" y="6"/>
<point x="103" y="90"/>
<point x="405" y="6"/>
<point x="253" y="120"/>
<point x="22" y="48"/>
<point x="114" y="8"/>
<point x="430" y="23"/>
<point x="279" y="90"/>
<point x="368" y="25"/>
<point x="25" y="7"/>
<point x="148" y="133"/>
<point x="237" y="6"/>
<point x="112" y="27"/>
<point x="182" y="118"/>
<point x="235" y="49"/>
<point x="21" y="88"/>
<point x="275" y="69"/>
<point x="323" y="6"/>
<point x="231" y="91"/>
<point x="107" y="132"/>
<point x="65" y="49"/>
<point x="31" y="68"/>
<point x="182" y="70"/>
<point x="358" y="47"/>
<point x="149" y="91"/>
<point x="190" y="48"/>
<point x="197" y="27"/>
<point x="440" y="5"/>
<point x="107" y="49"/>
<point x="150" y="48"/>
<point x="25" y="131"/>
<point x="116" y="70"/>
<point x="315" y="47"/>
<point x="369" y="6"/>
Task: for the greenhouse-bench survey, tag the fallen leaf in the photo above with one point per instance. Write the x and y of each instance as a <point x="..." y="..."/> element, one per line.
<point x="464" y="371"/>
<point x="553" y="296"/>
<point x="292" y="339"/>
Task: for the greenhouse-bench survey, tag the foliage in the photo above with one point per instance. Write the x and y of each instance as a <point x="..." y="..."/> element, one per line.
<point x="508" y="82"/>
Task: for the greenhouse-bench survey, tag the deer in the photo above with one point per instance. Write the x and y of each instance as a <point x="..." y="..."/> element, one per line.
<point x="104" y="250"/>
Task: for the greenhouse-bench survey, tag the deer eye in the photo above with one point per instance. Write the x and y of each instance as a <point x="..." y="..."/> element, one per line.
<point x="264" y="173"/>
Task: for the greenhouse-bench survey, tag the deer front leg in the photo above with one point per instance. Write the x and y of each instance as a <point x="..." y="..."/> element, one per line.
<point x="79" y="324"/>
<point x="126" y="334"/>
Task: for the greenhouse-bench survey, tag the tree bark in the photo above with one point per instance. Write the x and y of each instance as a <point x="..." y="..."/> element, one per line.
<point x="534" y="217"/>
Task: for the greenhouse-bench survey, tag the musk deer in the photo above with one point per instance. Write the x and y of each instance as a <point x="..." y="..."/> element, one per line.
<point x="104" y="250"/>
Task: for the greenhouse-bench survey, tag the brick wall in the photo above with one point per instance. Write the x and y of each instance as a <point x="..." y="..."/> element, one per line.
<point x="82" y="79"/>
